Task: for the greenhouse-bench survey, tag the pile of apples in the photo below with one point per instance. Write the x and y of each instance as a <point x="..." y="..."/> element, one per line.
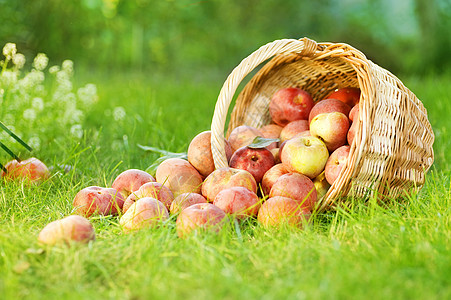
<point x="277" y="174"/>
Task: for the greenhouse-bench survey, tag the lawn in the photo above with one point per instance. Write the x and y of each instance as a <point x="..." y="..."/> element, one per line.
<point x="400" y="251"/>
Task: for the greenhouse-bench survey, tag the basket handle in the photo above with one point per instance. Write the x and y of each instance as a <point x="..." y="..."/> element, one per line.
<point x="304" y="46"/>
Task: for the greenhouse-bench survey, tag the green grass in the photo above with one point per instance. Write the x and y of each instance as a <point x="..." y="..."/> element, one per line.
<point x="401" y="251"/>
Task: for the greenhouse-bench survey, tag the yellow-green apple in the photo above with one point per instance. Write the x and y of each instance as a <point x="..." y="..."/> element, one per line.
<point x="282" y="211"/>
<point x="293" y="128"/>
<point x="336" y="162"/>
<point x="238" y="201"/>
<point x="199" y="153"/>
<point x="200" y="217"/>
<point x="98" y="200"/>
<point x="131" y="180"/>
<point x="30" y="170"/>
<point x="179" y="176"/>
<point x="150" y="189"/>
<point x="271" y="131"/>
<point x="185" y="200"/>
<point x="321" y="185"/>
<point x="332" y="128"/>
<point x="305" y="154"/>
<point x="67" y="230"/>
<point x="297" y="187"/>
<point x="254" y="160"/>
<point x="276" y="154"/>
<point x="290" y="104"/>
<point x="224" y="178"/>
<point x="271" y="176"/>
<point x="350" y="96"/>
<point x="146" y="212"/>
<point x="242" y="136"/>
<point x="328" y="106"/>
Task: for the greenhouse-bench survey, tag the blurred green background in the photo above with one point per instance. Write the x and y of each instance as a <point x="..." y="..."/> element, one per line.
<point x="188" y="36"/>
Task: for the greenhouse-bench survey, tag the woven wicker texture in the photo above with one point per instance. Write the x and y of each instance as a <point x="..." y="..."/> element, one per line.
<point x="392" y="149"/>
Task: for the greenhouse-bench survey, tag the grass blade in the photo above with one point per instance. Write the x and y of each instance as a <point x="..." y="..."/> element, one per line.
<point x="3" y="126"/>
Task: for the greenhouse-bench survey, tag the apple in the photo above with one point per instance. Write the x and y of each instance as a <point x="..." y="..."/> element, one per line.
<point x="279" y="211"/>
<point x="352" y="132"/>
<point x="254" y="160"/>
<point x="185" y="200"/>
<point x="224" y="178"/>
<point x="350" y="96"/>
<point x="200" y="217"/>
<point x="293" y="128"/>
<point x="328" y="106"/>
<point x="332" y="128"/>
<point x="179" y="176"/>
<point x="67" y="230"/>
<point x="271" y="131"/>
<point x="238" y="201"/>
<point x="336" y="162"/>
<point x="151" y="189"/>
<point x="305" y="154"/>
<point x="132" y="198"/>
<point x="146" y="212"/>
<point x="131" y="180"/>
<point x="297" y="187"/>
<point x="276" y="154"/>
<point x="290" y="104"/>
<point x="199" y="153"/>
<point x="31" y="170"/>
<point x="321" y="185"/>
<point x="354" y="113"/>
<point x="271" y="176"/>
<point x="98" y="200"/>
<point x="242" y="136"/>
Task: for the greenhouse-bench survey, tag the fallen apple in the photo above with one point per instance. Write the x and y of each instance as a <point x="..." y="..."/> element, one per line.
<point x="179" y="176"/>
<point x="67" y="230"/>
<point x="297" y="187"/>
<point x="131" y="180"/>
<point x="200" y="217"/>
<point x="146" y="212"/>
<point x="238" y="201"/>
<point x="98" y="200"/>
<point x="185" y="200"/>
<point x="31" y="170"/>
<point x="282" y="211"/>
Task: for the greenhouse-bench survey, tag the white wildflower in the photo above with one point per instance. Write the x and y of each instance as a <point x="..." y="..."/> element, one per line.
<point x="77" y="131"/>
<point x="37" y="103"/>
<point x="19" y="60"/>
<point x="119" y="113"/>
<point x="9" y="50"/>
<point x="76" y="116"/>
<point x="88" y="94"/>
<point x="54" y="69"/>
<point x="40" y="61"/>
<point x="8" y="78"/>
<point x="34" y="142"/>
<point x="29" y="114"/>
<point x="68" y="66"/>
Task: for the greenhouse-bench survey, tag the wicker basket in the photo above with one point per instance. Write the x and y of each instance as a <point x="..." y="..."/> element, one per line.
<point x="392" y="149"/>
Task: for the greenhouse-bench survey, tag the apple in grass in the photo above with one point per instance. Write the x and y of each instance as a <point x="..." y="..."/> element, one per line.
<point x="348" y="95"/>
<point x="242" y="136"/>
<point x="224" y="178"/>
<point x="281" y="211"/>
<point x="332" y="128"/>
<point x="131" y="180"/>
<point x="31" y="170"/>
<point x="151" y="189"/>
<point x="67" y="230"/>
<point x="238" y="201"/>
<point x="290" y="104"/>
<point x="200" y="217"/>
<point x="146" y="212"/>
<point x="254" y="160"/>
<point x="98" y="200"/>
<point x="185" y="200"/>
<point x="179" y="176"/>
<point x="336" y="162"/>
<point x="199" y="153"/>
<point x="293" y="128"/>
<point x="306" y="155"/>
<point x="271" y="176"/>
<point x="328" y="106"/>
<point x="297" y="187"/>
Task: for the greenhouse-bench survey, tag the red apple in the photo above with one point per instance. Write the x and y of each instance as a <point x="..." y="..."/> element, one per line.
<point x="271" y="176"/>
<point x="242" y="136"/>
<point x="67" y="230"/>
<point x="98" y="200"/>
<point x="332" y="128"/>
<point x="290" y="104"/>
<point x="254" y="160"/>
<point x="279" y="211"/>
<point x="354" y="113"/>
<point x="151" y="189"/>
<point x="238" y="201"/>
<point x="199" y="153"/>
<point x="32" y="170"/>
<point x="328" y="106"/>
<point x="293" y="128"/>
<point x="297" y="187"/>
<point x="146" y="212"/>
<point x="306" y="155"/>
<point x="336" y="162"/>
<point x="131" y="180"/>
<point x="179" y="176"/>
<point x="200" y="217"/>
<point x="350" y="96"/>
<point x="224" y="178"/>
<point x="185" y="200"/>
<point x="352" y="132"/>
<point x="271" y="131"/>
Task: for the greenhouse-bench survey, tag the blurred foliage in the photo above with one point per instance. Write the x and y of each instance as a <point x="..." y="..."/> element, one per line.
<point x="404" y="35"/>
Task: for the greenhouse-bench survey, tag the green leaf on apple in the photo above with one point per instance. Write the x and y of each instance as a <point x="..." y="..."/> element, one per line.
<point x="165" y="155"/>
<point x="260" y="142"/>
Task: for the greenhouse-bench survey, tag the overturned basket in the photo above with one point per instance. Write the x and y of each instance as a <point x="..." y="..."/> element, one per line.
<point x="392" y="149"/>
